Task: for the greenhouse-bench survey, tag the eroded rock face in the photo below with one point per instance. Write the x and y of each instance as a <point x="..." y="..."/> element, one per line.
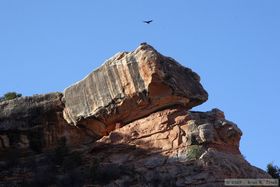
<point x="35" y="121"/>
<point x="175" y="147"/>
<point x="132" y="127"/>
<point x="130" y="86"/>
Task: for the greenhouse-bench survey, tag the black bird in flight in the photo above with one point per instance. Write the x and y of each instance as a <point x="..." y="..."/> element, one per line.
<point x="148" y="22"/>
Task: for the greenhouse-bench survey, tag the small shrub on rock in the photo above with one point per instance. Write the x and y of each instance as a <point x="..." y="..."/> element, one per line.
<point x="194" y="152"/>
<point x="273" y="170"/>
<point x="10" y="96"/>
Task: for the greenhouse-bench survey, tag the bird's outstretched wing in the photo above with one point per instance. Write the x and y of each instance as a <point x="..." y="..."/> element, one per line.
<point x="148" y="21"/>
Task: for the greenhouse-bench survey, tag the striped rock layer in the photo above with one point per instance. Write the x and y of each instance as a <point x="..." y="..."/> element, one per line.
<point x="129" y="86"/>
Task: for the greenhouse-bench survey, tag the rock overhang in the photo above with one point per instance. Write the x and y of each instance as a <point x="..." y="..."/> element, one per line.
<point x="128" y="86"/>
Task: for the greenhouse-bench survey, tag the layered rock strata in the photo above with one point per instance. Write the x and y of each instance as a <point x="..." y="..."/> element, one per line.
<point x="129" y="86"/>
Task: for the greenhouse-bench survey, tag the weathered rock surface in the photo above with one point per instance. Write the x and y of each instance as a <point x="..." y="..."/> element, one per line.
<point x="35" y="121"/>
<point x="129" y="86"/>
<point x="174" y="147"/>
<point x="132" y="127"/>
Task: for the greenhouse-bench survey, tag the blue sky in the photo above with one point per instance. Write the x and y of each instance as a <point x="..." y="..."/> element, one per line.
<point x="234" y="45"/>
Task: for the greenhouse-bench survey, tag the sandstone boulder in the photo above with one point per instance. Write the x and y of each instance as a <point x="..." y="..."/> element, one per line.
<point x="128" y="86"/>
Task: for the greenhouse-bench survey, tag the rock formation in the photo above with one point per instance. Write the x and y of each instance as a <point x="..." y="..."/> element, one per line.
<point x="35" y="121"/>
<point x="129" y="86"/>
<point x="128" y="123"/>
<point x="175" y="147"/>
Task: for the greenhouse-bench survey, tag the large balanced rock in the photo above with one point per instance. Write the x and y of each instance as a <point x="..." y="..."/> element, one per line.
<point x="129" y="86"/>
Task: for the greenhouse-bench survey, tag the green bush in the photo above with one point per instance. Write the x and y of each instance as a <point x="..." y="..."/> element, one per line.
<point x="273" y="170"/>
<point x="194" y="152"/>
<point x="10" y="96"/>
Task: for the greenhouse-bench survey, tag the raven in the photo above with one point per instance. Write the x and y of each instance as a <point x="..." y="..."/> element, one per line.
<point x="148" y="22"/>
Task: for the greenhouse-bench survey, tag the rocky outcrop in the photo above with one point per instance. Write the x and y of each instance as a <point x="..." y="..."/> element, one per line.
<point x="35" y="122"/>
<point x="132" y="127"/>
<point x="129" y="86"/>
<point x="175" y="147"/>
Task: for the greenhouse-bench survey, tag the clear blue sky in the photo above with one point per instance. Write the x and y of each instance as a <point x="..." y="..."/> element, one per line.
<point x="234" y="45"/>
